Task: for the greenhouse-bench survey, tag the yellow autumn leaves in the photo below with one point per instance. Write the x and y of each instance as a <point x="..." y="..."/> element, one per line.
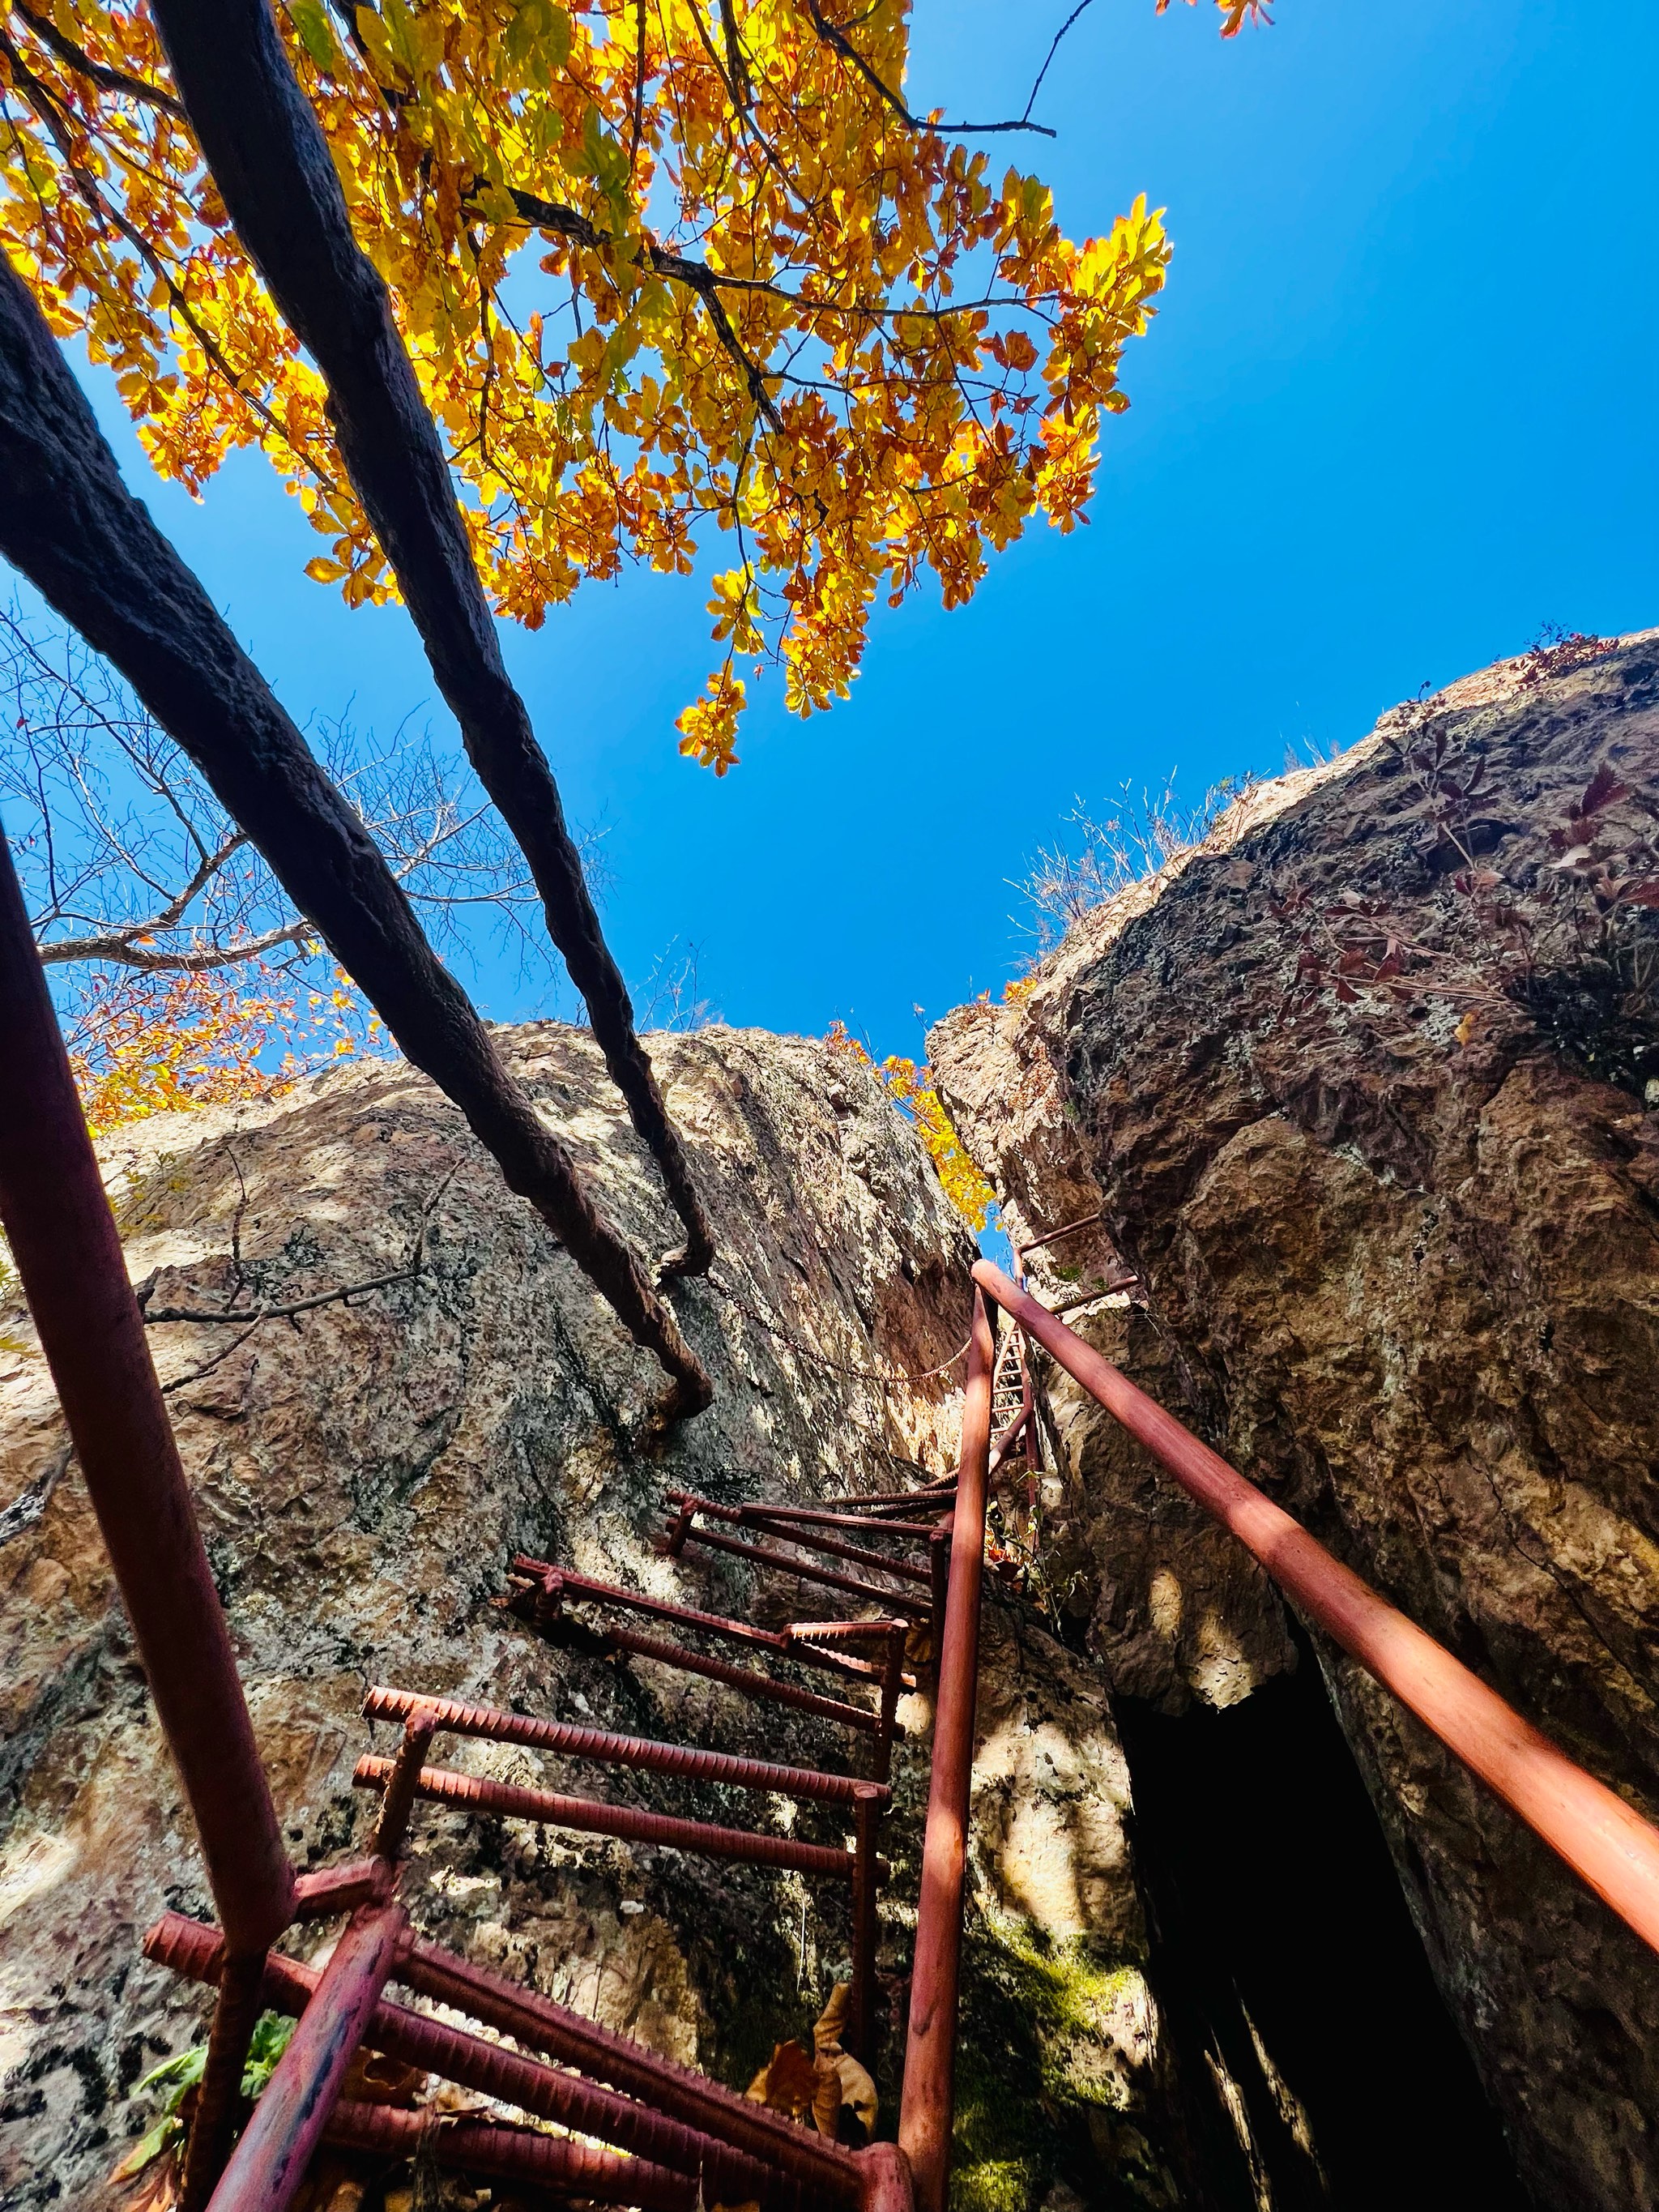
<point x="668" y="274"/>
<point x="913" y="1092"/>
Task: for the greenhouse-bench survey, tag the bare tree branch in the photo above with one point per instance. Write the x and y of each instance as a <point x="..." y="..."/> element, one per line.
<point x="128" y="859"/>
<point x="833" y="35"/>
<point x="68" y="522"/>
<point x="98" y="73"/>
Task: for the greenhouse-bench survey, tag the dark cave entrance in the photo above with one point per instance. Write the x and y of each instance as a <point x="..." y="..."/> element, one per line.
<point x="1282" y="1947"/>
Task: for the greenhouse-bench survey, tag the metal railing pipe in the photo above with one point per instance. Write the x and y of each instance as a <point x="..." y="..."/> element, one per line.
<point x="1606" y="1844"/>
<point x="269" y="2164"/>
<point x="68" y="1256"/>
<point x="925" y="2113"/>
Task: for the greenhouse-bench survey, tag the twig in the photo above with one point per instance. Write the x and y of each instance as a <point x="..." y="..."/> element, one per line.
<point x="1053" y="50"/>
<point x="246" y="1314"/>
<point x="822" y="1359"/>
<point x="834" y="36"/>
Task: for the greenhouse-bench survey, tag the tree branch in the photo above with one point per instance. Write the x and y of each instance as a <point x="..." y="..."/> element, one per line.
<point x="70" y="523"/>
<point x="121" y="947"/>
<point x="99" y="73"/>
<point x="696" y="275"/>
<point x="835" y="37"/>
<point x="154" y="1315"/>
<point x="271" y="161"/>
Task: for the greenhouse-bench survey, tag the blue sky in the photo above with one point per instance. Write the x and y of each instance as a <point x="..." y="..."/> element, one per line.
<point x="1398" y="411"/>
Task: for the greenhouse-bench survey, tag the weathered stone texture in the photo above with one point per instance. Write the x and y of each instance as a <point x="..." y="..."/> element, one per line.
<point x="363" y="1476"/>
<point x="1396" y="1249"/>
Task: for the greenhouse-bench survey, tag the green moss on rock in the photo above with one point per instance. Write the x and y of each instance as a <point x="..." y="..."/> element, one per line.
<point x="1053" y="2035"/>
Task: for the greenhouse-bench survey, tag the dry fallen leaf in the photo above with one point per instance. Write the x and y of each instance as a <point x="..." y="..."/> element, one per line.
<point x="857" y="2091"/>
<point x="372" y="2079"/>
<point x="842" y="2080"/>
<point x="786" y="2083"/>
<point x="828" y="2027"/>
<point x="796" y="2082"/>
<point x="158" y="2189"/>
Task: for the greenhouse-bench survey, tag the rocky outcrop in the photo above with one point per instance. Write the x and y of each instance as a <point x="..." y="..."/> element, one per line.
<point x="364" y="1474"/>
<point x="1365" y="1090"/>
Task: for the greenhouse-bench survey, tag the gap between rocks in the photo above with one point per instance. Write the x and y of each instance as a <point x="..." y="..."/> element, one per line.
<point x="1295" y="1985"/>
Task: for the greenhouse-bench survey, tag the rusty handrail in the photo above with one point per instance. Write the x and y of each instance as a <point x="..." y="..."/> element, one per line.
<point x="1607" y="1844"/>
<point x="926" y="2111"/>
<point x="269" y="2162"/>
<point x="74" y="1274"/>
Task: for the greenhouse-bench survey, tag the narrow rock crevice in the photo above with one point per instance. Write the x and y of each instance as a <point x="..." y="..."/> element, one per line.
<point x="1295" y="1987"/>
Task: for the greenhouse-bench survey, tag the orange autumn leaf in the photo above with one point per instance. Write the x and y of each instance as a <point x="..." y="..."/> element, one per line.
<point x="912" y="1091"/>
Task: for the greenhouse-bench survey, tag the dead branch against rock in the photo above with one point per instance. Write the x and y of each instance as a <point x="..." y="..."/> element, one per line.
<point x="31" y="1501"/>
<point x="272" y="165"/>
<point x="291" y="1308"/>
<point x="68" y="522"/>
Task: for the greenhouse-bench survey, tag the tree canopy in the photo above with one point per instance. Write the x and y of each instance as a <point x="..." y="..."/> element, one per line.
<point x="664" y="270"/>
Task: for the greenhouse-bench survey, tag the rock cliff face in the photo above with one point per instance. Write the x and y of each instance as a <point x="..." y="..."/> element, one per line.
<point x="363" y="1474"/>
<point x="1366" y="1092"/>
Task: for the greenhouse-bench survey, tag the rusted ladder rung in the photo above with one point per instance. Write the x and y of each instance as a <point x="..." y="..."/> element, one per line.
<point x="564" y="1582"/>
<point x="789" y="1514"/>
<point x="588" y="1815"/>
<point x="881" y="1500"/>
<point x="745" y="1679"/>
<point x="548" y="2093"/>
<point x="451" y="1717"/>
<point x="509" y="2152"/>
<point x="684" y="2094"/>
<point x="802" y="1569"/>
<point x="690" y="1508"/>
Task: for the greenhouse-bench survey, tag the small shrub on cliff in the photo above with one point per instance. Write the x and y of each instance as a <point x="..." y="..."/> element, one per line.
<point x="1568" y="937"/>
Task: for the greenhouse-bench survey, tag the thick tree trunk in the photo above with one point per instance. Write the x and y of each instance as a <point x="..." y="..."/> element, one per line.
<point x="69" y="523"/>
<point x="272" y="164"/>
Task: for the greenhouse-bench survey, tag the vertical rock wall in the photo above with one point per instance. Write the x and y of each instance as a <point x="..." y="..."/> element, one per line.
<point x="1366" y="1089"/>
<point x="363" y="1476"/>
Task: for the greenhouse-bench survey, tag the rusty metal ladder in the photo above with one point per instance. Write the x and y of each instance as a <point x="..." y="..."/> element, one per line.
<point x="640" y="2129"/>
<point x="654" y="2135"/>
<point x="682" y="2132"/>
